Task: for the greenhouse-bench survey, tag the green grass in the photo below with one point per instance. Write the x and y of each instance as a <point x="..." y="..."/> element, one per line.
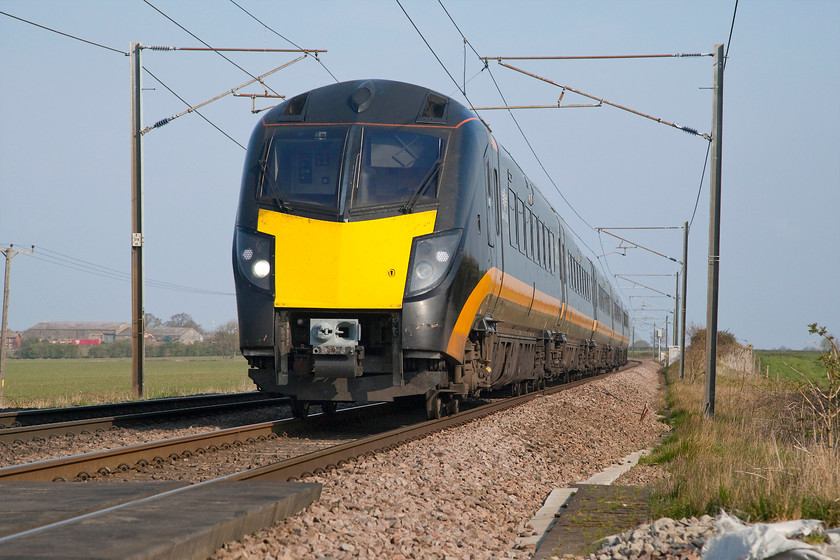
<point x="74" y="382"/>
<point x="783" y="362"/>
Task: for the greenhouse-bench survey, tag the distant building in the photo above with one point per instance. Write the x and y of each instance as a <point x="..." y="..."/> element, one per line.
<point x="82" y="333"/>
<point x="184" y="335"/>
<point x="12" y="341"/>
<point x="69" y="332"/>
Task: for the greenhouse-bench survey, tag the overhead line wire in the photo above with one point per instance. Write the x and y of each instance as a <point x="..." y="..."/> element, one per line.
<point x="194" y="36"/>
<point x="65" y="34"/>
<point x="442" y="65"/>
<point x="708" y="148"/>
<point x="66" y="261"/>
<point x="196" y="111"/>
<point x="522" y="132"/>
<point x="729" y="41"/>
<point x="321" y="62"/>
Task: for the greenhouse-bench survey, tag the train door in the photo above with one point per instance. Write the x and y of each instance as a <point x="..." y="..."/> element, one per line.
<point x="494" y="229"/>
<point x="562" y="269"/>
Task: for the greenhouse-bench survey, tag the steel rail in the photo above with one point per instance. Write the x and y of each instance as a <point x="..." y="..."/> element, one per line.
<point x="105" y="423"/>
<point x="81" y="467"/>
<point x="29" y="417"/>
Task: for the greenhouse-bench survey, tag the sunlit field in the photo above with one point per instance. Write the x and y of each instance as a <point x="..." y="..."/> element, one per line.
<point x="73" y="382"/>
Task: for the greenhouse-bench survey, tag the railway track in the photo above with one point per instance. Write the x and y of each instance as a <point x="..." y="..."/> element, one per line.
<point x="84" y="466"/>
<point x="33" y="417"/>
<point x="50" y="427"/>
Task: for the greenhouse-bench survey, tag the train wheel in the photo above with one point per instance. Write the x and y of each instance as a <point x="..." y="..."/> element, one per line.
<point x="435" y="407"/>
<point x="515" y="390"/>
<point x="300" y="408"/>
<point x="329" y="407"/>
<point x="453" y="406"/>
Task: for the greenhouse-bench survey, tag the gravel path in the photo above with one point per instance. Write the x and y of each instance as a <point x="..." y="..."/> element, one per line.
<point x="468" y="492"/>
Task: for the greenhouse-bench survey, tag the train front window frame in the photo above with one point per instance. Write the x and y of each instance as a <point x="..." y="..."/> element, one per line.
<point x="397" y="166"/>
<point x="302" y="165"/>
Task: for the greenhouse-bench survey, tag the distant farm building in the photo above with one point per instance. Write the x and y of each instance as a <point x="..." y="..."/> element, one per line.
<point x="70" y="332"/>
<point x="84" y="333"/>
<point x="12" y="341"/>
<point x="184" y="335"/>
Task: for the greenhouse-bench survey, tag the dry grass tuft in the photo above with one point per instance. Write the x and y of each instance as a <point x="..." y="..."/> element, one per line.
<point x="759" y="458"/>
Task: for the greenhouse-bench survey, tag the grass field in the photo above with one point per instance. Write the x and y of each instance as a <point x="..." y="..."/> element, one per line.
<point x="69" y="382"/>
<point x="758" y="458"/>
<point x="782" y="364"/>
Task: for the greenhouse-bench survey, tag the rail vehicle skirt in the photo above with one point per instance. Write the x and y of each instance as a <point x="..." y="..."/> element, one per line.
<point x="374" y="388"/>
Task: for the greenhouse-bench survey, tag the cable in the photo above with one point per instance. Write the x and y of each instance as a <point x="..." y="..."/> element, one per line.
<point x="442" y="65"/>
<point x="709" y="147"/>
<point x="203" y="43"/>
<point x="65" y="261"/>
<point x="522" y="132"/>
<point x="731" y="28"/>
<point x="700" y="188"/>
<point x="66" y="34"/>
<point x="194" y="111"/>
<point x="284" y="38"/>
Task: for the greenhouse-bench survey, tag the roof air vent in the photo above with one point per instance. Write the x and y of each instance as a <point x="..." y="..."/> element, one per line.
<point x="433" y="108"/>
<point x="293" y="109"/>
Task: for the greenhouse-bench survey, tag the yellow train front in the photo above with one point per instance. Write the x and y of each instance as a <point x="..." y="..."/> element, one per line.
<point x="370" y="253"/>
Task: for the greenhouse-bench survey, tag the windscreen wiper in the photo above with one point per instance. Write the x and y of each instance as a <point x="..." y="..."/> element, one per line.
<point x="433" y="172"/>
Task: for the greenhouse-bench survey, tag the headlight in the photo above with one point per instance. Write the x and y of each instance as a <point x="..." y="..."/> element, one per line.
<point x="431" y="258"/>
<point x="253" y="254"/>
<point x="261" y="268"/>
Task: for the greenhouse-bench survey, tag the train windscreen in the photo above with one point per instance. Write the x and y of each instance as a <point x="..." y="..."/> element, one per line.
<point x="398" y="166"/>
<point x="328" y="168"/>
<point x="302" y="165"/>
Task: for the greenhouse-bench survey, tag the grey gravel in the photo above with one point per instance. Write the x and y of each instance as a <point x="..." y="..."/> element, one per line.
<point x="468" y="492"/>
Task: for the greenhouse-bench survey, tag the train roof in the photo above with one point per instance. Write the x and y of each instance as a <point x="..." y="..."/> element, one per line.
<point x="370" y="101"/>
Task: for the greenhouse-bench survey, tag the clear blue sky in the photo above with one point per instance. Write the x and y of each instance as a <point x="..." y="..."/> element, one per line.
<point x="65" y="162"/>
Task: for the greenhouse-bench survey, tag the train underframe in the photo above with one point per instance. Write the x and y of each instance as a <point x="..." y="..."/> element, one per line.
<point x="370" y="364"/>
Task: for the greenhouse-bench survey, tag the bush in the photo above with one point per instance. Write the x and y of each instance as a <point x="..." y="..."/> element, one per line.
<point x="118" y="349"/>
<point x="31" y="349"/>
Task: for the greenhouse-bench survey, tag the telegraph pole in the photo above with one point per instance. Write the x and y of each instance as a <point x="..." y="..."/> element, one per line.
<point x="8" y="253"/>
<point x="714" y="236"/>
<point x="684" y="297"/>
<point x="138" y="327"/>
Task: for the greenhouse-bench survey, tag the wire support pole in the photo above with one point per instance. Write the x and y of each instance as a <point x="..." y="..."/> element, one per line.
<point x="684" y="298"/>
<point x="138" y="323"/>
<point x="676" y="306"/>
<point x="714" y="236"/>
<point x="605" y="102"/>
<point x="233" y="91"/>
<point x="10" y="252"/>
<point x="596" y="57"/>
<point x="639" y="246"/>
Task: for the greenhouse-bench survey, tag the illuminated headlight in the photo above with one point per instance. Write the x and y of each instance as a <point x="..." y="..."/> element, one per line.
<point x="431" y="259"/>
<point x="261" y="268"/>
<point x="253" y="253"/>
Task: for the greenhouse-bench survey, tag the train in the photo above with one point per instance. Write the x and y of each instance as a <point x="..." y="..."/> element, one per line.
<point x="386" y="246"/>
